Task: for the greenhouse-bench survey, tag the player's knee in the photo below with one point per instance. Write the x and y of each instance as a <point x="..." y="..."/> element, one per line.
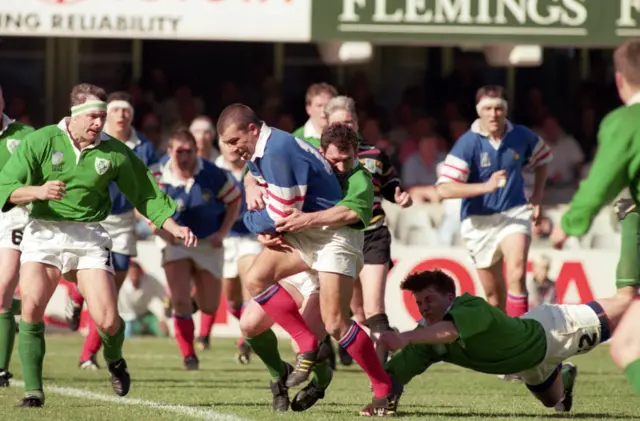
<point x="182" y="305"/>
<point x="516" y="274"/>
<point x="335" y="326"/>
<point x="109" y="323"/>
<point x="208" y="307"/>
<point x="249" y="327"/>
<point x="624" y="349"/>
<point x="32" y="311"/>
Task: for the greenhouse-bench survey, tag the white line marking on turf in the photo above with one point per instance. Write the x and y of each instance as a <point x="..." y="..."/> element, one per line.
<point x="202" y="414"/>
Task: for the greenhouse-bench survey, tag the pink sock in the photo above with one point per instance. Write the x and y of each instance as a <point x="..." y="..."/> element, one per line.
<point x="92" y="343"/>
<point x="74" y="294"/>
<point x="283" y="310"/>
<point x="235" y="311"/>
<point x="517" y="305"/>
<point x="206" y="323"/>
<point x="360" y="347"/>
<point x="185" y="330"/>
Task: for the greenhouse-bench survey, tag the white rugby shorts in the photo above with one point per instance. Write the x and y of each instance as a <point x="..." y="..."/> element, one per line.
<point x="330" y="250"/>
<point x="306" y="282"/>
<point x="482" y="234"/>
<point x="12" y="226"/>
<point x="234" y="249"/>
<point x="567" y="328"/>
<point x="67" y="245"/>
<point x="204" y="257"/>
<point x="122" y="230"/>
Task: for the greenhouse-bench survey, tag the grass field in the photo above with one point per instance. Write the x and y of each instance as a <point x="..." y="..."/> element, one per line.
<point x="223" y="390"/>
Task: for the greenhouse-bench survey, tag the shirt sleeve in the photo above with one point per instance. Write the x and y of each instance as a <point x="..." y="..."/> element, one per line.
<point x="286" y="188"/>
<point x="606" y="179"/>
<point x="20" y="170"/>
<point x="471" y="317"/>
<point x="540" y="152"/>
<point x="144" y="194"/>
<point x="229" y="192"/>
<point x="457" y="164"/>
<point x="359" y="196"/>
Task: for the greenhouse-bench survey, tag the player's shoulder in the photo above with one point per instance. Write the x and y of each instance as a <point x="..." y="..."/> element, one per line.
<point x="44" y="134"/>
<point x="523" y="131"/>
<point x="211" y="169"/>
<point x="468" y="300"/>
<point x="21" y="129"/>
<point x="299" y="132"/>
<point x="144" y="143"/>
<point x="621" y="118"/>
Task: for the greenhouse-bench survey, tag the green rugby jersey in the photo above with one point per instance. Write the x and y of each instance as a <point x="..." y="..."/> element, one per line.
<point x="49" y="154"/>
<point x="489" y="342"/>
<point x="11" y="135"/>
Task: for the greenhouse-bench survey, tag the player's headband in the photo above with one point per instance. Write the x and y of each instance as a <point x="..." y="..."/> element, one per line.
<point x="119" y="103"/>
<point x="203" y="125"/>
<point x="488" y="101"/>
<point x="88" y="107"/>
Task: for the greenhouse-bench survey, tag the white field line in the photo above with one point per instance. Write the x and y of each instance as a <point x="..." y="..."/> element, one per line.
<point x="197" y="413"/>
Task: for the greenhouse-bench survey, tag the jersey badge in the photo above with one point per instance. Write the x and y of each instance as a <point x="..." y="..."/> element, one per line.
<point x="12" y="145"/>
<point x="485" y="161"/>
<point x="206" y="195"/>
<point x="56" y="161"/>
<point x="370" y="165"/>
<point x="516" y="156"/>
<point x="102" y="165"/>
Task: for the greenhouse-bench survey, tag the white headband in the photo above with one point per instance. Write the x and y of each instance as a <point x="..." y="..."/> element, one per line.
<point x="491" y="102"/>
<point x="119" y="104"/>
<point x="88" y="107"/>
<point x="202" y="125"/>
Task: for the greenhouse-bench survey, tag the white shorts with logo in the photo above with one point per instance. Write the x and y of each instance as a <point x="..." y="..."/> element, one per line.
<point x="12" y="225"/>
<point x="483" y="233"/>
<point x="330" y="250"/>
<point x="306" y="282"/>
<point x="122" y="230"/>
<point x="67" y="245"/>
<point x="570" y="330"/>
<point x="204" y="257"/>
<point x="234" y="249"/>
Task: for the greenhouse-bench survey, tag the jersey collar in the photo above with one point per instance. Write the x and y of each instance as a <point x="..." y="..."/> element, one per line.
<point x="310" y="131"/>
<point x="133" y="141"/>
<point x="63" y="125"/>
<point x="169" y="178"/>
<point x="634" y="99"/>
<point x="261" y="145"/>
<point x="477" y="128"/>
<point x="6" y="122"/>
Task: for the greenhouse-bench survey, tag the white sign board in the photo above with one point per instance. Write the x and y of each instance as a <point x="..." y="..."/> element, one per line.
<point x="231" y="20"/>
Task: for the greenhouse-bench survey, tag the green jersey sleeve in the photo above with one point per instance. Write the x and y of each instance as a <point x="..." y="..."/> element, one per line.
<point x="144" y="193"/>
<point x="358" y="195"/>
<point x="471" y="315"/>
<point x="21" y="170"/>
<point x="610" y="171"/>
<point x="411" y="361"/>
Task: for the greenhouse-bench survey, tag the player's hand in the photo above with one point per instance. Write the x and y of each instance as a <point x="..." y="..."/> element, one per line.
<point x="558" y="237"/>
<point x="535" y="204"/>
<point x="393" y="341"/>
<point x="402" y="198"/>
<point x="497" y="180"/>
<point x="274" y="241"/>
<point x="165" y="235"/>
<point x="255" y="197"/>
<point x="51" y="190"/>
<point x="185" y="234"/>
<point x="216" y="239"/>
<point x="295" y="221"/>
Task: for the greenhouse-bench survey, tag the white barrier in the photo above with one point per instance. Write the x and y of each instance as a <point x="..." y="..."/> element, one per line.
<point x="580" y="277"/>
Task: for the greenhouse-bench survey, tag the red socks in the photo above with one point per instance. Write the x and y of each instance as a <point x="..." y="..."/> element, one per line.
<point x="74" y="294"/>
<point x="235" y="311"/>
<point x="517" y="305"/>
<point x="283" y="310"/>
<point x="92" y="343"/>
<point x="184" y="332"/>
<point x="206" y="323"/>
<point x="360" y="347"/>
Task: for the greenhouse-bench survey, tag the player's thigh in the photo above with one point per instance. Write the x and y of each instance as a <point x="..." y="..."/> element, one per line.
<point x="625" y="345"/>
<point x="373" y="279"/>
<point x="9" y="268"/>
<point x="208" y="290"/>
<point x="311" y="314"/>
<point x="232" y="290"/>
<point x="254" y="320"/>
<point x="99" y="290"/>
<point x="38" y="282"/>
<point x="244" y="263"/>
<point x="272" y="265"/>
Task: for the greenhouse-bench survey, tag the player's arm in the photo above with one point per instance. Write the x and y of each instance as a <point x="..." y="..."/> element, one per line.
<point x="444" y="332"/>
<point x="145" y="194"/>
<point x="286" y="188"/>
<point x="231" y="196"/>
<point x="356" y="209"/>
<point x="540" y="158"/>
<point x="452" y="183"/>
<point x="17" y="176"/>
<point x="253" y="190"/>
<point x="607" y="177"/>
<point x="411" y="361"/>
<point x="390" y="179"/>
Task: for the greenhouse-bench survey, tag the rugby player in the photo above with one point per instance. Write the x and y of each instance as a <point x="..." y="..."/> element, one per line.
<point x="11" y="230"/>
<point x="64" y="170"/>
<point x="297" y="176"/>
<point x="484" y="169"/>
<point x="208" y="201"/>
<point x="316" y="99"/>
